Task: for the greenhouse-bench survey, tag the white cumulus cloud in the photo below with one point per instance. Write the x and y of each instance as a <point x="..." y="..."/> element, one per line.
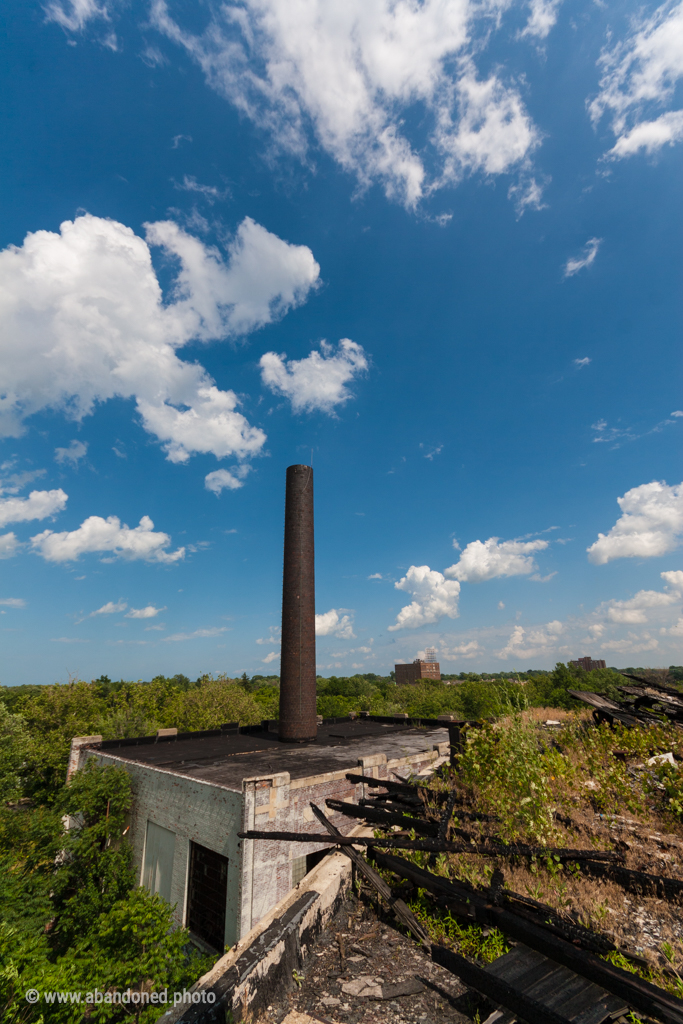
<point x="38" y="505"/>
<point x="640" y="75"/>
<point x="531" y="643"/>
<point x="9" y="545"/>
<point x="273" y="656"/>
<point x="83" y="320"/>
<point x="433" y="597"/>
<point x="577" y="263"/>
<point x="110" y="608"/>
<point x="634" y="610"/>
<point x="222" y="479"/>
<point x="148" y="612"/>
<point x="318" y="382"/>
<point x="464" y="650"/>
<point x="333" y="624"/>
<point x="542" y="17"/>
<point x="12" y="602"/>
<point x="484" y="560"/>
<point x="633" y="644"/>
<point x="73" y="454"/>
<point x="347" y="74"/>
<point x="651" y="524"/>
<point x="107" y="536"/>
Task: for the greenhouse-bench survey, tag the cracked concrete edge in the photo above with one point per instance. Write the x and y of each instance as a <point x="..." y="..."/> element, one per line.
<point x="330" y="879"/>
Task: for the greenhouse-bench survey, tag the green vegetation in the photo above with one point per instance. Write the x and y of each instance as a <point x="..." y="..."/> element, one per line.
<point x="70" y="917"/>
<point x="569" y="786"/>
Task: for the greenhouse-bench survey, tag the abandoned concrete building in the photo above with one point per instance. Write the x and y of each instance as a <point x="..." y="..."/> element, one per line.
<point x="194" y="792"/>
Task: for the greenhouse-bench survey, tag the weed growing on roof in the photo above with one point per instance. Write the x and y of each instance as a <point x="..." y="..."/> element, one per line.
<point x="671" y="778"/>
<point x="510" y="777"/>
<point x="469" y="940"/>
<point x="665" y="981"/>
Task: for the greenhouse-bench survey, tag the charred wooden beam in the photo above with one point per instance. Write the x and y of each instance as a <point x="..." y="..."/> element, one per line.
<point x="404" y="915"/>
<point x="391" y="787"/>
<point x="463" y="898"/>
<point x="638" y="993"/>
<point x="446" y="818"/>
<point x="391" y="802"/>
<point x="637" y="881"/>
<point x="381" y="817"/>
<point x="432" y="845"/>
<point x="672" y="691"/>
<point x="497" y="989"/>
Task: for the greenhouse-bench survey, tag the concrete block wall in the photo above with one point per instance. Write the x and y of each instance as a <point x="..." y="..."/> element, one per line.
<point x="278" y="804"/>
<point x="196" y="812"/>
<point x="259" y="872"/>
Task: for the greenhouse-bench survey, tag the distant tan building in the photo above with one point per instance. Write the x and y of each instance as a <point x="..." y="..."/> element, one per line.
<point x="588" y="664"/>
<point x="418" y="669"/>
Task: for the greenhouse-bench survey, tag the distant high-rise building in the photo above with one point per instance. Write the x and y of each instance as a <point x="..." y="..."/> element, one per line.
<point x="417" y="669"/>
<point x="588" y="664"/>
<point x="430" y="654"/>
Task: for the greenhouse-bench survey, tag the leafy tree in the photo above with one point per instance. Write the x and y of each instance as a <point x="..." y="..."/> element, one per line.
<point x="95" y="866"/>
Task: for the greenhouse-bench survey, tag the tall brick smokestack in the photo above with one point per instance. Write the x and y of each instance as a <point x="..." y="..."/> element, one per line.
<point x="298" y="721"/>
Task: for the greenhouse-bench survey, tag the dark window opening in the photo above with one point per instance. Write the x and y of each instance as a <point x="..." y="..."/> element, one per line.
<point x="302" y="865"/>
<point x="207" y="896"/>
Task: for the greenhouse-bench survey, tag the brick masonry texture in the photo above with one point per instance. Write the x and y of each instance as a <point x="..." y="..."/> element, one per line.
<point x="297" y="667"/>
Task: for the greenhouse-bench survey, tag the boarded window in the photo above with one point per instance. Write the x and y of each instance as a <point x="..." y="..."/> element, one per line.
<point x="158" y="868"/>
<point x="208" y="894"/>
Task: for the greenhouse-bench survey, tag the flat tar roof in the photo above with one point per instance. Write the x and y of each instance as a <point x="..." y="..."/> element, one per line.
<point x="226" y="757"/>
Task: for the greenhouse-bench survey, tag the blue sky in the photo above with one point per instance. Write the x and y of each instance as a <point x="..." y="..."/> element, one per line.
<point x="433" y="246"/>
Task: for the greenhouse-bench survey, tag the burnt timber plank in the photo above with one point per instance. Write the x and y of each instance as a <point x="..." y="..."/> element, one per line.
<point x="497" y="989"/>
<point x="392" y="787"/>
<point x="381" y="817"/>
<point x="404" y="915"/>
<point x="641" y="995"/>
<point x="637" y="881"/>
<point x="432" y="845"/>
<point x="556" y="987"/>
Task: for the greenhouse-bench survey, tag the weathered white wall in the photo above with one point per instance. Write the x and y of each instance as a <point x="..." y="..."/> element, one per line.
<point x="259" y="872"/>
<point x="196" y="812"/>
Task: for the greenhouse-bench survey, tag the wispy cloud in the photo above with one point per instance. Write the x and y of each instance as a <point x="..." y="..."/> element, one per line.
<point x="640" y="75"/>
<point x="110" y="608"/>
<point x="148" y="612"/>
<point x="579" y="363"/>
<point x="198" y="634"/>
<point x="347" y="75"/>
<point x="577" y="263"/>
<point x="76" y="451"/>
<point x="209" y="192"/>
<point x="615" y="436"/>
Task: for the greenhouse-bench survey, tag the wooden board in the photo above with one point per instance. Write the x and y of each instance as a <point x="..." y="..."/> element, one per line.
<point x="555" y="987"/>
